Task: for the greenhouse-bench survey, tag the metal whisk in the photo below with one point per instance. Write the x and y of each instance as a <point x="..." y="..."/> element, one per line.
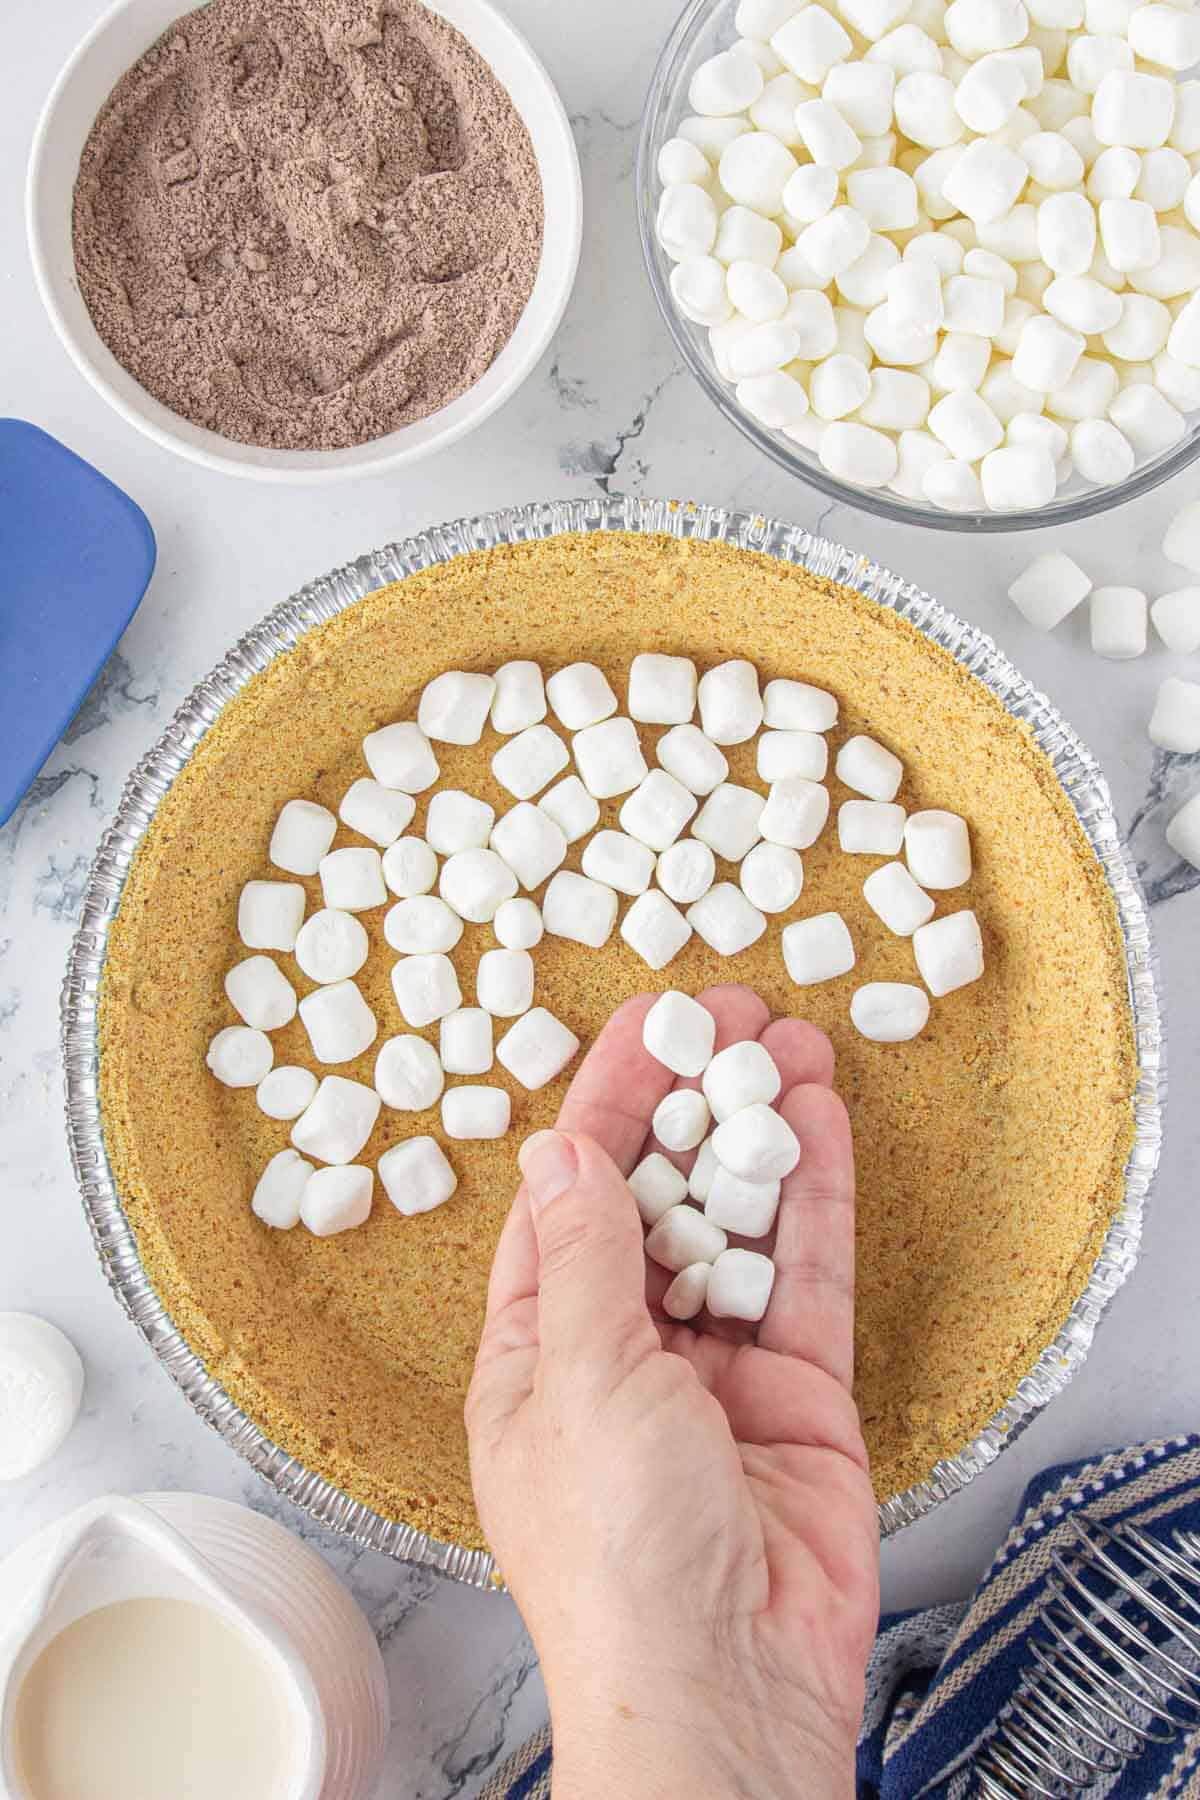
<point x="1119" y="1668"/>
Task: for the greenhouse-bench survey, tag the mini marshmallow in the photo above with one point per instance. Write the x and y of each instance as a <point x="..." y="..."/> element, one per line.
<point x="870" y="827"/>
<point x="771" y="877"/>
<point x="917" y="453"/>
<point x="352" y="880"/>
<point x="579" y="909"/>
<point x="504" y="982"/>
<point x="1034" y="428"/>
<point x="858" y="454"/>
<point x="681" y="1120"/>
<point x="284" y="1093"/>
<point x="775" y="109"/>
<point x="662" y="689"/>
<point x="537" y="1048"/>
<point x="729" y="821"/>
<point x="809" y="317"/>
<point x="903" y="349"/>
<point x="685" y="1296"/>
<point x="1050" y="588"/>
<point x="679" y="1033"/>
<point x="937" y="846"/>
<point x="972" y="306"/>
<point x="1018" y="477"/>
<point x="465" y="1041"/>
<point x="795" y="812"/>
<point x="457" y="821"/>
<point x="336" y="1200"/>
<point x="408" y="1073"/>
<point x="1183" y="343"/>
<point x="949" y="952"/>
<point x="745" y="236"/>
<point x="832" y="243"/>
<point x="657" y="810"/>
<point x="745" y="1207"/>
<point x="986" y="181"/>
<point x="519" y="700"/>
<point x="889" y="1012"/>
<point x="680" y="161"/>
<point x="609" y="757"/>
<point x="692" y="758"/>
<point x="1100" y="453"/>
<point x="270" y="914"/>
<point x="1150" y="422"/>
<point x="862" y="93"/>
<point x="886" y="198"/>
<point x="743" y="1074"/>
<point x="529" y="843"/>
<point x="838" y="386"/>
<point x="1053" y="161"/>
<point x="908" y="50"/>
<point x="580" y="696"/>
<point x="797" y="706"/>
<point x="1130" y="235"/>
<point x="475" y="882"/>
<point x="810" y="193"/>
<point x="302" y="835"/>
<point x="869" y="769"/>
<point x="754" y="171"/>
<point x="1087" y="306"/>
<point x="426" y="988"/>
<point x="967" y="426"/>
<point x="1163" y="180"/>
<point x="961" y="363"/>
<point x="1133" y="109"/>
<point x="850" y="325"/>
<point x="954" y="486"/>
<point x="1088" y="394"/>
<point x="619" y="861"/>
<point x="783" y="753"/>
<point x="340" y="1119"/>
<point x="1114" y="175"/>
<point x="260" y="993"/>
<point x="698" y="290"/>
<point x="898" y="400"/>
<point x="518" y="924"/>
<point x="416" y="1176"/>
<point x="944" y="254"/>
<point x="1067" y="234"/>
<point x="1118" y="622"/>
<point x="686" y="871"/>
<point x="1183" y="832"/>
<point x="526" y="763"/>
<point x="572" y="808"/>
<point x="409" y="867"/>
<point x="422" y="924"/>
<point x="762" y="349"/>
<point x="1177" y="382"/>
<point x="331" y="946"/>
<point x="727" y="921"/>
<point x="476" y="1112"/>
<point x="656" y="1186"/>
<point x="1175" y="721"/>
<point x="895" y="897"/>
<point x="989" y="94"/>
<point x="914" y="297"/>
<point x="817" y="949"/>
<point x="376" y="812"/>
<point x="756" y="1144"/>
<point x="240" y="1057"/>
<point x="740" y="1285"/>
<point x="400" y="756"/>
<point x="682" y="1237"/>
<point x="727" y="83"/>
<point x="810" y="42"/>
<point x="925" y="112"/>
<point x="703" y="1172"/>
<point x="686" y="222"/>
<point x="655" y="929"/>
<point x="339" y="1023"/>
<point x="1177" y="620"/>
<point x="1181" y="540"/>
<point x="276" y="1198"/>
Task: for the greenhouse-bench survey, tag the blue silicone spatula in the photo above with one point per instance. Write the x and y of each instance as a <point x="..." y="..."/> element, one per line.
<point x="76" y="556"/>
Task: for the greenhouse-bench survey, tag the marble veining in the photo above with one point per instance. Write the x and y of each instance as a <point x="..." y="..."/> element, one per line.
<point x="609" y="410"/>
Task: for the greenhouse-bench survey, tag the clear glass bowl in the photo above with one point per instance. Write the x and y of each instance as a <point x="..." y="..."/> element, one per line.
<point x="703" y="28"/>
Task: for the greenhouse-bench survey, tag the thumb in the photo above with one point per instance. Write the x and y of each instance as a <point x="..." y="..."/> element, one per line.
<point x="592" y="1311"/>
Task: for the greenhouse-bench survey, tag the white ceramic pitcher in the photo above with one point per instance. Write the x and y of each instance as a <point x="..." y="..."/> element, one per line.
<point x="245" y="1568"/>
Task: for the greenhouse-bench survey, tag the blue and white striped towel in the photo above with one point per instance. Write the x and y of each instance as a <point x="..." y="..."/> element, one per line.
<point x="939" y="1679"/>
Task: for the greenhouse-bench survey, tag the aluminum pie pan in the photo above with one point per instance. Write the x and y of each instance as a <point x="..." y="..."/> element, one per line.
<point x="321" y="600"/>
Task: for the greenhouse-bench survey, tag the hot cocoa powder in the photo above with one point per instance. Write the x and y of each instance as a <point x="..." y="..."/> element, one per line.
<point x="305" y="223"/>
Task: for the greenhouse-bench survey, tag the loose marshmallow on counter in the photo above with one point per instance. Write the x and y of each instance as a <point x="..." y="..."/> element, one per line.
<point x="409" y="867"/>
<point x="579" y="909"/>
<point x="869" y="769"/>
<point x="731" y="708"/>
<point x="949" y="952"/>
<point x="260" y="993"/>
<point x="270" y="914"/>
<point x="1175" y="721"/>
<point x="745" y="1207"/>
<point x="43" y="1390"/>
<point x="416" y="1176"/>
<point x="783" y="753"/>
<point x="679" y="1033"/>
<point x="580" y="695"/>
<point x="729" y="821"/>
<point x="504" y="982"/>
<point x="338" y="1122"/>
<point x="655" y="929"/>
<point x="420" y="925"/>
<point x="870" y="827"/>
<point x="683" y="1236"/>
<point x="331" y="945"/>
<point x="681" y="1120"/>
<point x="894" y="897"/>
<point x="285" y="1092"/>
<point x="474" y="883"/>
<point x="609" y="757"/>
<point x="619" y="861"/>
<point x="572" y="808"/>
<point x="426" y="989"/>
<point x="889" y="1012"/>
<point x="529" y="843"/>
<point x="1050" y="588"/>
<point x="1118" y="622"/>
<point x="740" y="1285"/>
<point x="656" y="1186"/>
<point x="240" y="1057"/>
<point x="376" y="812"/>
<point x="400" y="756"/>
<point x="662" y="689"/>
<point x="726" y="919"/>
<point x="352" y="880"/>
<point x="657" y="810"/>
<point x="336" y="1200"/>
<point x="518" y="924"/>
<point x="408" y="1073"/>
<point x="276" y="1198"/>
<point x="1183" y="832"/>
<point x="476" y="1112"/>
<point x="685" y="1296"/>
<point x="537" y="1048"/>
<point x="743" y="1074"/>
<point x="686" y="871"/>
<point x="302" y="835"/>
<point x="339" y="1023"/>
<point x="465" y="1041"/>
<point x="817" y="949"/>
<point x="795" y="813"/>
<point x="528" y="761"/>
<point x="771" y="877"/>
<point x="1181" y="540"/>
<point x="1177" y="620"/>
<point x="520" y="698"/>
<point x="937" y="847"/>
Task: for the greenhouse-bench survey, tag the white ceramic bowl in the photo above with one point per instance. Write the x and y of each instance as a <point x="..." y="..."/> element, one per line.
<point x="109" y="49"/>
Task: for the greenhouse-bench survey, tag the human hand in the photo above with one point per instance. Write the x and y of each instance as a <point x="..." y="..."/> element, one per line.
<point x="684" y="1515"/>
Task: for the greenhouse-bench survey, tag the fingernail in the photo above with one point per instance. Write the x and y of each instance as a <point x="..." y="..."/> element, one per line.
<point x="548" y="1162"/>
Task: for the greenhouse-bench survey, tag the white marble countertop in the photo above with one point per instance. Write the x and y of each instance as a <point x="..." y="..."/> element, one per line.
<point x="609" y="409"/>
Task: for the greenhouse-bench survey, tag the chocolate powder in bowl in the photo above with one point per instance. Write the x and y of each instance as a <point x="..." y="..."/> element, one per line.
<point x="306" y="223"/>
